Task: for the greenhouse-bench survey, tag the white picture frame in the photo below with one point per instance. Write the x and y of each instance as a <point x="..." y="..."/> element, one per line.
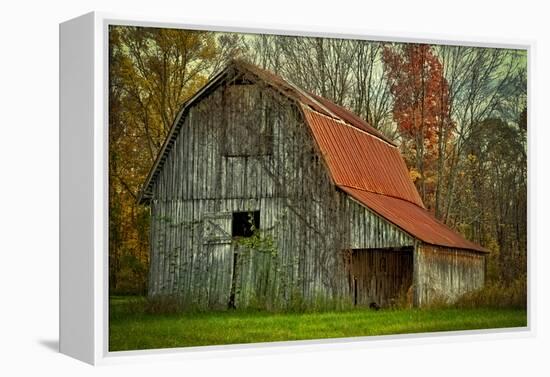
<point x="84" y="194"/>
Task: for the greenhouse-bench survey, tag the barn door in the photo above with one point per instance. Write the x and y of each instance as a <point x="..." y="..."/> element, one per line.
<point x="218" y="257"/>
<point x="243" y="225"/>
<point x="231" y="304"/>
<point x="379" y="276"/>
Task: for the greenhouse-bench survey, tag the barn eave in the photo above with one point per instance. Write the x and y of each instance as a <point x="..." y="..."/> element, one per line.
<point x="413" y="220"/>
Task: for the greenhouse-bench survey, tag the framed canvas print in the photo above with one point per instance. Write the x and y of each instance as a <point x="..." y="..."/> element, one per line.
<point x="224" y="187"/>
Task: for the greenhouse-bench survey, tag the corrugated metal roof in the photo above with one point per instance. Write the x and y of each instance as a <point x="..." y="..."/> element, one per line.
<point x="358" y="159"/>
<point x="351" y="118"/>
<point x="412" y="219"/>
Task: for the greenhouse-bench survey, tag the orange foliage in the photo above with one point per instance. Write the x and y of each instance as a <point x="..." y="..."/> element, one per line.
<point x="421" y="108"/>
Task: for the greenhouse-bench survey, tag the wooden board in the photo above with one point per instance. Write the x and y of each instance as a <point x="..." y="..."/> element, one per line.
<point x="444" y="274"/>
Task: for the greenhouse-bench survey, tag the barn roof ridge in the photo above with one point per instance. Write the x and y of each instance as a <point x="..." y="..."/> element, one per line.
<point x="315" y="102"/>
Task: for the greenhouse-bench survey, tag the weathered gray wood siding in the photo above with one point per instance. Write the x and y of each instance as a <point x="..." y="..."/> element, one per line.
<point x="367" y="230"/>
<point x="444" y="273"/>
<point x="246" y="148"/>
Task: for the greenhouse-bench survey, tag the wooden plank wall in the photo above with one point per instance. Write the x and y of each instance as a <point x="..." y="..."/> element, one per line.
<point x="370" y="231"/>
<point x="209" y="172"/>
<point x="445" y="273"/>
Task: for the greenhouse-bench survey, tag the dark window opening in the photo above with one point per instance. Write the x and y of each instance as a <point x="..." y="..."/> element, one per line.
<point x="244" y="223"/>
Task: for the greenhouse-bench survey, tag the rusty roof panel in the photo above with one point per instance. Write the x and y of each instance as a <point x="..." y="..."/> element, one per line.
<point x="361" y="160"/>
<point x="416" y="221"/>
<point x="350" y="118"/>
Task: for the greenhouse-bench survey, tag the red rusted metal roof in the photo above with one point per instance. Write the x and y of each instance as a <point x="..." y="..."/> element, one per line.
<point x="361" y="160"/>
<point x="350" y="118"/>
<point x="414" y="220"/>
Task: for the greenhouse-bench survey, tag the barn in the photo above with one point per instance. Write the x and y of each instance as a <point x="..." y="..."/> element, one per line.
<point x="265" y="195"/>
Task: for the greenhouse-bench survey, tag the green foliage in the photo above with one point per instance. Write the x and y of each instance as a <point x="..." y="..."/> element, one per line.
<point x="163" y="305"/>
<point x="122" y="306"/>
<point x="132" y="328"/>
<point x="131" y="274"/>
<point x="260" y="242"/>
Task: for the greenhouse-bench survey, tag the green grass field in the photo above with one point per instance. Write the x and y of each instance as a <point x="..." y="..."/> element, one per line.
<point x="132" y="329"/>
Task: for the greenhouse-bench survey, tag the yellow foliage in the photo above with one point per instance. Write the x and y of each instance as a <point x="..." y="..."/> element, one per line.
<point x="152" y="73"/>
<point x="414" y="174"/>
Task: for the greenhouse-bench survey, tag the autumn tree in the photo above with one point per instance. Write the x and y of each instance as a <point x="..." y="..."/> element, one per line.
<point x="152" y="72"/>
<point x="420" y="109"/>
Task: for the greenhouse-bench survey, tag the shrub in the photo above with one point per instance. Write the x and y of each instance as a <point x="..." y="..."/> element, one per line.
<point x="497" y="295"/>
<point x="165" y="304"/>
